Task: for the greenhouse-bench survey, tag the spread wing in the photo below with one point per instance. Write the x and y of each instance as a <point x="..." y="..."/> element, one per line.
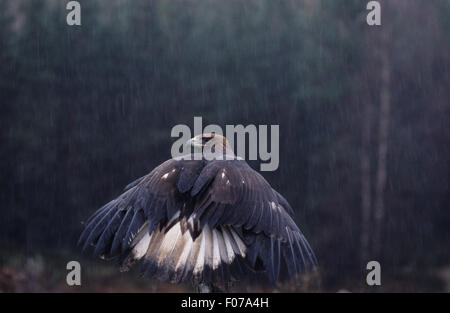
<point x="239" y="196"/>
<point x="209" y="221"/>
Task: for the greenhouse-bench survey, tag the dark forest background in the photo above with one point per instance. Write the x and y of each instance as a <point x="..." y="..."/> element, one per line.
<point x="363" y="114"/>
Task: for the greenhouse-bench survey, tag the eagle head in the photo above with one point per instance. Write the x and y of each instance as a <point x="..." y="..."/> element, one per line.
<point x="212" y="140"/>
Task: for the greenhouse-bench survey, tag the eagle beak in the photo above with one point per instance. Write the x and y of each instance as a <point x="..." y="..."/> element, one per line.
<point x="194" y="142"/>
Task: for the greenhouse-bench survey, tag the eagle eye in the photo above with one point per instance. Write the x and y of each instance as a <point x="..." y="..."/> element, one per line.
<point x="206" y="139"/>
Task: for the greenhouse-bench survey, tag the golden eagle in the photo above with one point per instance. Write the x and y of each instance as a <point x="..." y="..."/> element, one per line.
<point x="211" y="221"/>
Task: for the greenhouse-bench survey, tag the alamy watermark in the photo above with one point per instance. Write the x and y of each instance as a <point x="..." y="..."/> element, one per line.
<point x="73" y="17"/>
<point x="73" y="278"/>
<point x="259" y="140"/>
<point x="374" y="16"/>
<point x="373" y="278"/>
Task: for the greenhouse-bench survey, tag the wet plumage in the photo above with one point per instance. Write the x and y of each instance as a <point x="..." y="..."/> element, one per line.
<point x="205" y="221"/>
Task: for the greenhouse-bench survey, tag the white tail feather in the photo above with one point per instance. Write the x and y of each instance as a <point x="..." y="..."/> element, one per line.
<point x="173" y="250"/>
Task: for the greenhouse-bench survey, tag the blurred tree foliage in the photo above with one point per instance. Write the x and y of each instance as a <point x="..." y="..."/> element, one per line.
<point x="87" y="109"/>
